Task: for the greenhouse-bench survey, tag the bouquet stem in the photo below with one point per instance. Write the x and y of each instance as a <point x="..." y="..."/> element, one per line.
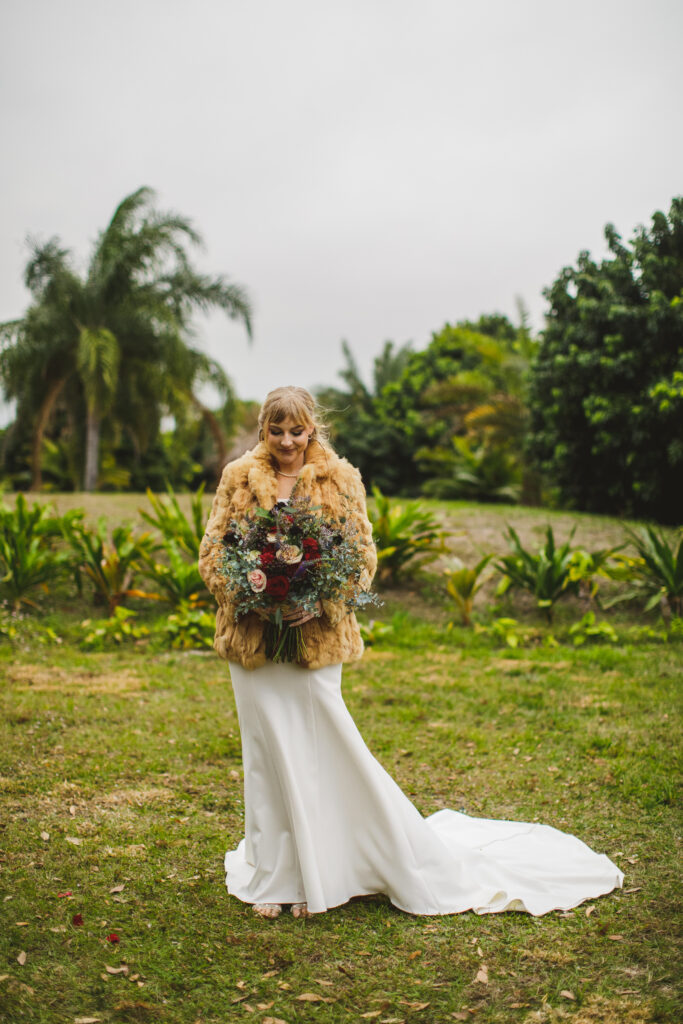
<point x="285" y="643"/>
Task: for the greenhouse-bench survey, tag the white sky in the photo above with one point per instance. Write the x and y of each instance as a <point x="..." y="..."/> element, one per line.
<point x="368" y="169"/>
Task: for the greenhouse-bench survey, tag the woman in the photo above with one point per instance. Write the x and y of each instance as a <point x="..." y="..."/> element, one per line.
<point x="323" y="821"/>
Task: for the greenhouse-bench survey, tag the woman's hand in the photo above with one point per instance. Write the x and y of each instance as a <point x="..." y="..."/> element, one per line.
<point x="298" y="616"/>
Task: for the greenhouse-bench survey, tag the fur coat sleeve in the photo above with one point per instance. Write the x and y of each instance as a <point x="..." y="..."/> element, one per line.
<point x="250" y="481"/>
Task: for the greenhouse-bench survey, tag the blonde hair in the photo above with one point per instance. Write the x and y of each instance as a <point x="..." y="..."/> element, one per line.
<point x="297" y="403"/>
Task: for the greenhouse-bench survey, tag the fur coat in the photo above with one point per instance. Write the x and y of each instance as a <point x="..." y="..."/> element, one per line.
<point x="250" y="481"/>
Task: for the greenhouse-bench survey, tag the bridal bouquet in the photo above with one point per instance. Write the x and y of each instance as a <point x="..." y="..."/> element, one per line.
<point x="291" y="556"/>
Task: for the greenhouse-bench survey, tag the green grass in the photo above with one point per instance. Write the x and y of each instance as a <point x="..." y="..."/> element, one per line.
<point x="135" y="753"/>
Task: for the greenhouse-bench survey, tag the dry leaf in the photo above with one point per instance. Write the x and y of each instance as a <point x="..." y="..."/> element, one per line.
<point x="415" y="1006"/>
<point x="72" y="810"/>
<point x="284" y="985"/>
<point x="461" y="1015"/>
<point x="269" y="974"/>
<point x="21" y="959"/>
<point x="73" y="839"/>
<point x="21" y="924"/>
<point x="322" y="981"/>
<point x="480" y="951"/>
<point x="87" y="1020"/>
<point x="45" y="836"/>
<point x="247" y="1007"/>
<point x="265" y="1006"/>
<point x="116" y="970"/>
<point x="413" y="956"/>
<point x="568" y="995"/>
<point x="240" y="984"/>
<point x="637" y="888"/>
<point x="518" y="1006"/>
<point x="371" y="1014"/>
<point x="483" y="975"/>
<point x="59" y="928"/>
<point x="274" y="1020"/>
<point x="589" y="911"/>
<point x="117" y="888"/>
<point x="616" y="938"/>
<point x="312" y="997"/>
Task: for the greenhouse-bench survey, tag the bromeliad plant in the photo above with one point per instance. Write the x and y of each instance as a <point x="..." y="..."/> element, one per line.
<point x="174" y="525"/>
<point x="28" y="557"/>
<point x="655" y="575"/>
<point x="463" y="585"/>
<point x="552" y="571"/>
<point x="406" y="537"/>
<point x="176" y="578"/>
<point x="111" y="566"/>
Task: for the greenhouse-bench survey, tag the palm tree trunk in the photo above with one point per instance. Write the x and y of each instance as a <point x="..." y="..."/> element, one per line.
<point x="92" y="450"/>
<point x="39" y="430"/>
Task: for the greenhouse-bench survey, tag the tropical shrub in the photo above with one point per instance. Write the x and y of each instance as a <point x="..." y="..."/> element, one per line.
<point x="407" y="536"/>
<point x="28" y="557"/>
<point x="118" y="628"/>
<point x="463" y="584"/>
<point x="550" y="573"/>
<point x="656" y="574"/>
<point x="177" y="578"/>
<point x="588" y="629"/>
<point x="189" y="628"/>
<point x="111" y="566"/>
<point x="174" y="525"/>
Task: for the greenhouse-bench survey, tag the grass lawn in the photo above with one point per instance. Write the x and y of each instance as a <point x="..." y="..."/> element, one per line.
<point x="122" y="788"/>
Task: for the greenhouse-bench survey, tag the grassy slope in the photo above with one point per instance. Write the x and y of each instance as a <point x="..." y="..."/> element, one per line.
<point x="138" y="758"/>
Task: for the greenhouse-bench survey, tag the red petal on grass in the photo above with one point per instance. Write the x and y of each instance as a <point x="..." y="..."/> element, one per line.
<point x="113" y="937"/>
<point x="77" y="919"/>
<point x="67" y="893"/>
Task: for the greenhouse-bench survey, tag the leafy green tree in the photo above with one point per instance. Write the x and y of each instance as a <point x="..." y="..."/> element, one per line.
<point x="607" y="383"/>
<point x="358" y="432"/>
<point x="113" y="343"/>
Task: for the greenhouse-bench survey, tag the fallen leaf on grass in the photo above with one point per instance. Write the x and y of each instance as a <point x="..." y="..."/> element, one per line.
<point x="483" y="975"/>
<point x="616" y="938"/>
<point x="265" y="1006"/>
<point x="518" y="1006"/>
<point x="371" y="1014"/>
<point x="113" y="937"/>
<point x="247" y="1007"/>
<point x="77" y="920"/>
<point x="21" y="924"/>
<point x="589" y="911"/>
<point x="45" y="836"/>
<point x="269" y="974"/>
<point x="87" y="1020"/>
<point x="274" y="1020"/>
<point x="61" y="894"/>
<point x="413" y="956"/>
<point x="322" y="981"/>
<point x="116" y="970"/>
<point x="461" y="1015"/>
<point x="568" y="995"/>
<point x="74" y="840"/>
<point x="414" y="1006"/>
<point x="637" y="888"/>
<point x="21" y="959"/>
<point x="59" y="928"/>
<point x="312" y="997"/>
<point x="240" y="984"/>
<point x="117" y="888"/>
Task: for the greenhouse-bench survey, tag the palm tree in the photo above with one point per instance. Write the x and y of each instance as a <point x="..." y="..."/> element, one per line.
<point x="114" y="342"/>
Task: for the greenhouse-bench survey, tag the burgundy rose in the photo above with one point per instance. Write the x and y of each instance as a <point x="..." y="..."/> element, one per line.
<point x="267" y="558"/>
<point x="311" y="549"/>
<point x="277" y="587"/>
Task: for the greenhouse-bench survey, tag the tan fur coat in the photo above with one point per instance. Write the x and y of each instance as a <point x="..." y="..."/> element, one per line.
<point x="249" y="481"/>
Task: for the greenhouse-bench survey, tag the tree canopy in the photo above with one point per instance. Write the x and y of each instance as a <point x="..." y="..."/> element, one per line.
<point x="109" y="349"/>
<point x="607" y="383"/>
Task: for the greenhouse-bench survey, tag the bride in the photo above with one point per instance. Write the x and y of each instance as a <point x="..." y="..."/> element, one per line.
<point x="323" y="820"/>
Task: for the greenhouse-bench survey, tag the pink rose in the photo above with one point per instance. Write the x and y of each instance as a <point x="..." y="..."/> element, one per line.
<point x="257" y="580"/>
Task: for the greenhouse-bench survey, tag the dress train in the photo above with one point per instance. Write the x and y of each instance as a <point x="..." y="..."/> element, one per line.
<point x="325" y="822"/>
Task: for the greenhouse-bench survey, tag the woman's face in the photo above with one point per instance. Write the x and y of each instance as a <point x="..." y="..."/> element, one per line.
<point x="286" y="441"/>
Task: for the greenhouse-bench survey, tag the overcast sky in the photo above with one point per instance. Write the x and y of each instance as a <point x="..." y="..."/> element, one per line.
<point x="368" y="169"/>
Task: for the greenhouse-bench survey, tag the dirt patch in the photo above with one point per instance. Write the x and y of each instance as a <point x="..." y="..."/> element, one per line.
<point x="596" y="1010"/>
<point x="123" y="683"/>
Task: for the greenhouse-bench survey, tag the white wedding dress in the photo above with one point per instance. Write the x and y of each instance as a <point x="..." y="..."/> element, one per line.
<point x="325" y="822"/>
